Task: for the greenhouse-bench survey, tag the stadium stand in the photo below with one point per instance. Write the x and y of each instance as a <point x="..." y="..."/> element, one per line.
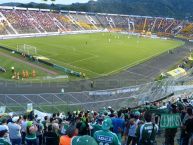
<point x="19" y="21"/>
<point x="187" y="30"/>
<point x="82" y="20"/>
<point x="94" y="19"/>
<point x="45" y="21"/>
<point x="92" y="121"/>
<point x="64" y="21"/>
<point x="103" y="20"/>
<point x="124" y="124"/>
<point x="23" y="21"/>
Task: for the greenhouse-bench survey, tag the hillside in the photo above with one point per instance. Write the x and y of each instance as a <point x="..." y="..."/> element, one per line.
<point x="181" y="9"/>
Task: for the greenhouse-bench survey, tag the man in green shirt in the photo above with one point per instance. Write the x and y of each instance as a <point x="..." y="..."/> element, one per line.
<point x="97" y="125"/>
<point x="105" y="136"/>
<point x="3" y="135"/>
<point x="146" y="132"/>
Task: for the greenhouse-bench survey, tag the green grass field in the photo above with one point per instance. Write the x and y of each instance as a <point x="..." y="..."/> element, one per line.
<point x="7" y="63"/>
<point x="96" y="54"/>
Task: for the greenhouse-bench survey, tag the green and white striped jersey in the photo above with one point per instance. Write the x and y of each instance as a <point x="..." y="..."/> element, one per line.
<point x="146" y="132"/>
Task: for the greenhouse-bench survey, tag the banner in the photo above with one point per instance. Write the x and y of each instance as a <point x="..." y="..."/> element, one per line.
<point x="170" y="121"/>
<point x="41" y="114"/>
<point x="2" y="109"/>
<point x="29" y="107"/>
<point x="112" y="92"/>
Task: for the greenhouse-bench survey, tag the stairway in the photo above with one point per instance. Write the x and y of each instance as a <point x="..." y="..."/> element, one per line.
<point x="5" y="19"/>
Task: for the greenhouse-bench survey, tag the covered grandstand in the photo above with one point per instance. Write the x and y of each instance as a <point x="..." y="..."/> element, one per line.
<point x="38" y="21"/>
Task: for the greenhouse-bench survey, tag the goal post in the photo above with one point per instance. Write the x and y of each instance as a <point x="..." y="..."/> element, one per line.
<point x="27" y="49"/>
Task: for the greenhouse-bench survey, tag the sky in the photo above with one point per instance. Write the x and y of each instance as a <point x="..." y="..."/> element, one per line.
<point x="40" y="1"/>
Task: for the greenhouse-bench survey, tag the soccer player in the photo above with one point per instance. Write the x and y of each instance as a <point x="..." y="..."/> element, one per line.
<point x="105" y="136"/>
<point x="18" y="75"/>
<point x="84" y="75"/>
<point x="12" y="69"/>
<point x="92" y="84"/>
<point x="23" y="74"/>
<point x="33" y="73"/>
<point x="26" y="74"/>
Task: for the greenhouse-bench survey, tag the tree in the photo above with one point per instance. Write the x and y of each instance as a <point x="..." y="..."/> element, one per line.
<point x="52" y="6"/>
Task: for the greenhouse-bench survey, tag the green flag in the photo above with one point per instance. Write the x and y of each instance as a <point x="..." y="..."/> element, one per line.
<point x="170" y="121"/>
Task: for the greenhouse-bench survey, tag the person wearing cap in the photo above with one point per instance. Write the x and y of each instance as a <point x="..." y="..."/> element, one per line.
<point x="12" y="69"/>
<point x="3" y="136"/>
<point x="105" y="136"/>
<point x="4" y="123"/>
<point x="31" y="130"/>
<point x="15" y="131"/>
<point x="137" y="116"/>
<point x="83" y="140"/>
<point x="70" y="132"/>
<point x="96" y="124"/>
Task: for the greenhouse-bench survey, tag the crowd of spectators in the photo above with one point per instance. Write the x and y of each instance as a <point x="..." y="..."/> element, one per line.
<point x="19" y="21"/>
<point x="65" y="21"/>
<point x="44" y="20"/>
<point x="28" y="21"/>
<point x="3" y="27"/>
<point x="105" y="127"/>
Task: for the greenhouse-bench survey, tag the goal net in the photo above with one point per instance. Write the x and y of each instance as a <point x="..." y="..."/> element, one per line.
<point x="27" y="49"/>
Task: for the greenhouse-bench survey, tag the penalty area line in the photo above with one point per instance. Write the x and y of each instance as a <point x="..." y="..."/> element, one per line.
<point x="92" y="57"/>
<point x="132" y="64"/>
<point x="68" y="64"/>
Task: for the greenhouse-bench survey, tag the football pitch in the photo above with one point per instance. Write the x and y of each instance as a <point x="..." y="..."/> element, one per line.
<point x="96" y="54"/>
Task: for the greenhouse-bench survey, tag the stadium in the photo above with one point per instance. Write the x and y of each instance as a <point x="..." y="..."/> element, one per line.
<point x="61" y="61"/>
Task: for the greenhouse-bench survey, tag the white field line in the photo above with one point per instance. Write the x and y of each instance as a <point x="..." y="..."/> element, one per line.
<point x="66" y="63"/>
<point x="9" y="46"/>
<point x="77" y="67"/>
<point x="92" y="57"/>
<point x="137" y="74"/>
<point x="72" y="49"/>
<point x="70" y="64"/>
<point x="114" y="71"/>
<point x="132" y="64"/>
